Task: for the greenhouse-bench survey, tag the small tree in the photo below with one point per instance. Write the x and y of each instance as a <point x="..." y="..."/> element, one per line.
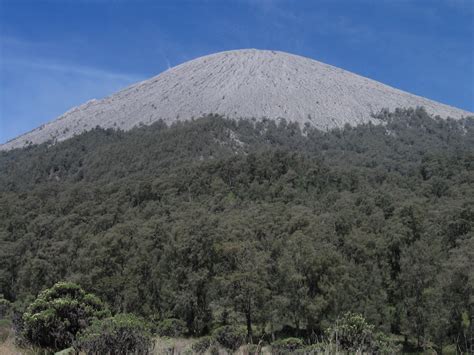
<point x="230" y="337"/>
<point x="121" y="334"/>
<point x="59" y="313"/>
<point x="352" y="333"/>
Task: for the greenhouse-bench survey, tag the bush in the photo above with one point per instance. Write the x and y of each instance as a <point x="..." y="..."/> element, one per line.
<point x="352" y="333"/>
<point x="214" y="349"/>
<point x="171" y="327"/>
<point x="121" y="334"/>
<point x="58" y="314"/>
<point x="254" y="349"/>
<point x="5" y="307"/>
<point x="230" y="337"/>
<point x="287" y="344"/>
<point x="202" y="344"/>
<point x="313" y="349"/>
<point x="383" y="344"/>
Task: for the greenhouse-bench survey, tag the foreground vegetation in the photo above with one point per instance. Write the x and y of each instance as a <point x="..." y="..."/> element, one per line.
<point x="65" y="317"/>
<point x="256" y="226"/>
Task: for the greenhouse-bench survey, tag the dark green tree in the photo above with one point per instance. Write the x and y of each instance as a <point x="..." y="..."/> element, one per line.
<point x="59" y="313"/>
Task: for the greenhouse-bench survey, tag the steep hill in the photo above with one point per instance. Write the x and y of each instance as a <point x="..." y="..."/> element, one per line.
<point x="239" y="84"/>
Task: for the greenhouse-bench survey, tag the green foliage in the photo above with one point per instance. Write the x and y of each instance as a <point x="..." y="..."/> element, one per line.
<point x="171" y="327"/>
<point x="351" y="332"/>
<point x="383" y="344"/>
<point x="287" y="345"/>
<point x="59" y="313"/>
<point x="201" y="345"/>
<point x="243" y="222"/>
<point x="255" y="349"/>
<point x="5" y="307"/>
<point x="313" y="349"/>
<point x="229" y="336"/>
<point x="120" y="335"/>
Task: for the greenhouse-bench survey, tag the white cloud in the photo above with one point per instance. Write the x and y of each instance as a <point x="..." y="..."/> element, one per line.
<point x="73" y="69"/>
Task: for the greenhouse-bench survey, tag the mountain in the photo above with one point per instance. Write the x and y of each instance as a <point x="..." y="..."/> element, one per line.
<point x="245" y="83"/>
<point x="247" y="228"/>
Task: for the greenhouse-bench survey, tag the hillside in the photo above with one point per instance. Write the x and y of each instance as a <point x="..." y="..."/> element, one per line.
<point x="239" y="84"/>
<point x="216" y="221"/>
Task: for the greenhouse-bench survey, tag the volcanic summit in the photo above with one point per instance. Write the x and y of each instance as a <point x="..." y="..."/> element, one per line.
<point x="244" y="84"/>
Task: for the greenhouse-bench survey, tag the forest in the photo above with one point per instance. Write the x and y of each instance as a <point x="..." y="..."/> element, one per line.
<point x="262" y="224"/>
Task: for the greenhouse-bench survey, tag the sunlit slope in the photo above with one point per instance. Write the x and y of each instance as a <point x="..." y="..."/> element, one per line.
<point x="239" y="84"/>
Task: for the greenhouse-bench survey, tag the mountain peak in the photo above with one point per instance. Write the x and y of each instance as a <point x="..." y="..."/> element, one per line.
<point x="245" y="83"/>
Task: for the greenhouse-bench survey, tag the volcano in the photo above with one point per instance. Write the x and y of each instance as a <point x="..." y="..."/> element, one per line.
<point x="239" y="84"/>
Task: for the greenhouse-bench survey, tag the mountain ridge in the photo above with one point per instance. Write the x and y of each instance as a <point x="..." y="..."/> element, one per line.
<point x="247" y="83"/>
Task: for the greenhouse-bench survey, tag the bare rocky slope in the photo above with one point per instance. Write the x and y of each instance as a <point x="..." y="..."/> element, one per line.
<point x="245" y="83"/>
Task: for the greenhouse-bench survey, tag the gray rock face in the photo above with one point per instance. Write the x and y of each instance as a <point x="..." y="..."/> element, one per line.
<point x="239" y="84"/>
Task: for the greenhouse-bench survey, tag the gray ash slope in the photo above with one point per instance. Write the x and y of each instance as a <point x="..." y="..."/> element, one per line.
<point x="239" y="84"/>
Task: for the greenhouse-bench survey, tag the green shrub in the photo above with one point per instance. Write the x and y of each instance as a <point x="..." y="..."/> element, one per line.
<point x="202" y="344"/>
<point x="121" y="334"/>
<point x="313" y="349"/>
<point x="5" y="307"/>
<point x="383" y="344"/>
<point x="352" y="333"/>
<point x="254" y="349"/>
<point x="59" y="313"/>
<point x="230" y="337"/>
<point x="214" y="349"/>
<point x="287" y="344"/>
<point x="171" y="327"/>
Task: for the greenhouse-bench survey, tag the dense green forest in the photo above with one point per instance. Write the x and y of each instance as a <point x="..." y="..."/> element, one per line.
<point x="258" y="223"/>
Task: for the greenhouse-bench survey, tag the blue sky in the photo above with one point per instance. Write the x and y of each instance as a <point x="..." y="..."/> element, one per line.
<point x="57" y="54"/>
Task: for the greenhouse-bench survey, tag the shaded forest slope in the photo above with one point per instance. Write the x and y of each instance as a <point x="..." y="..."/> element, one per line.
<point x="217" y="221"/>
